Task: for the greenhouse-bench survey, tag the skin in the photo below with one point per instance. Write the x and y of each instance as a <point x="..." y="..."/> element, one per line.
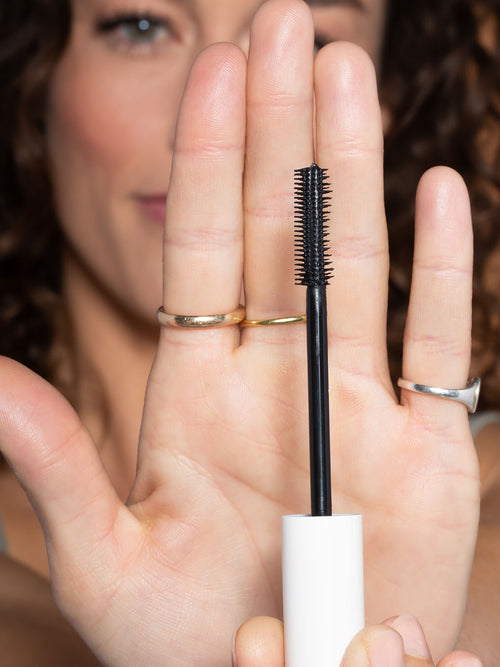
<point x="482" y="613"/>
<point x="415" y="476"/>
<point x="33" y="629"/>
<point x="102" y="159"/>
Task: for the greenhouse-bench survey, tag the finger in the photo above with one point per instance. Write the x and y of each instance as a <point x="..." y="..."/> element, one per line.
<point x="350" y="146"/>
<point x="56" y="462"/>
<point x="203" y="264"/>
<point x="460" y="659"/>
<point x="259" y="643"/>
<point x="437" y="336"/>
<point x="402" y="645"/>
<point x="398" y="643"/>
<point x="376" y="646"/>
<point x="414" y="642"/>
<point x="203" y="229"/>
<point x="279" y="140"/>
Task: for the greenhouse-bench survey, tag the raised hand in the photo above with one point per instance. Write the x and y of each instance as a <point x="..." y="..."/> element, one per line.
<point x="223" y="451"/>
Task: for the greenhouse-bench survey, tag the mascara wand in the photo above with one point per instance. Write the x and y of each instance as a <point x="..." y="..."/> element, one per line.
<point x="323" y="593"/>
<point x="313" y="270"/>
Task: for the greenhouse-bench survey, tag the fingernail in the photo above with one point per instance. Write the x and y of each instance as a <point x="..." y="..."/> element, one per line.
<point x="413" y="636"/>
<point x="467" y="662"/>
<point x="384" y="649"/>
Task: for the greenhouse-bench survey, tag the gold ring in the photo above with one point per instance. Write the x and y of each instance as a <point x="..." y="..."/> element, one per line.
<point x="295" y="319"/>
<point x="200" y="321"/>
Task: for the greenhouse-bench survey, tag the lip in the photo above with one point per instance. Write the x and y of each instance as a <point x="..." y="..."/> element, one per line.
<point x="153" y="206"/>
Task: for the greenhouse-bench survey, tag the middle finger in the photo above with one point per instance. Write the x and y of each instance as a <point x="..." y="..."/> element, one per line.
<point x="279" y="140"/>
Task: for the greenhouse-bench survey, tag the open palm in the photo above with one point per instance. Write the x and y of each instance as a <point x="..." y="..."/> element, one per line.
<point x="223" y="452"/>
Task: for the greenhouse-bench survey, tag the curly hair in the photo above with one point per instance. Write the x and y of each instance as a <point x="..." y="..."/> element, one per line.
<point x="440" y="81"/>
<point x="32" y="37"/>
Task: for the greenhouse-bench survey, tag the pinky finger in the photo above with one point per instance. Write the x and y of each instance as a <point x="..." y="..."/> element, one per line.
<point x="438" y="329"/>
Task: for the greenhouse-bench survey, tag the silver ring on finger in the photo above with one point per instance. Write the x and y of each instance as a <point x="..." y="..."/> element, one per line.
<point x="468" y="396"/>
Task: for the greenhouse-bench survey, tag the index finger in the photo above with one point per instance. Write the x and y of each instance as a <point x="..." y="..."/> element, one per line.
<point x="203" y="245"/>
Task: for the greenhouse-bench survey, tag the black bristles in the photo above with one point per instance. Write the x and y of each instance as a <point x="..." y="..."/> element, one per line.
<point x="313" y="268"/>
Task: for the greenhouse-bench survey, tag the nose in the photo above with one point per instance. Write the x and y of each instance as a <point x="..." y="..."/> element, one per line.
<point x="216" y="21"/>
<point x="227" y="22"/>
<point x="240" y="38"/>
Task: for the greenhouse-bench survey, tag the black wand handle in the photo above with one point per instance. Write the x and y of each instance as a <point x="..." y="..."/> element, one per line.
<point x="319" y="421"/>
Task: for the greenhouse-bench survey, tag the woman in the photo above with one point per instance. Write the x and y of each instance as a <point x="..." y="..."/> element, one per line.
<point x="196" y="549"/>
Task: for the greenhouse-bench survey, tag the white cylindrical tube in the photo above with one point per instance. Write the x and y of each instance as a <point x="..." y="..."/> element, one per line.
<point x="323" y="592"/>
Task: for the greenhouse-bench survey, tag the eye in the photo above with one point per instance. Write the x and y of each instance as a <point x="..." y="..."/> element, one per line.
<point x="137" y="33"/>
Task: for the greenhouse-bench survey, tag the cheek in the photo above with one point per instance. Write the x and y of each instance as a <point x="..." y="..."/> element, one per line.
<point x="95" y="119"/>
<point x="108" y="138"/>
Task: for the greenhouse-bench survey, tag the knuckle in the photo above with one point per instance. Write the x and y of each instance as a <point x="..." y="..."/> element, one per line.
<point x="204" y="239"/>
<point x="438" y="345"/>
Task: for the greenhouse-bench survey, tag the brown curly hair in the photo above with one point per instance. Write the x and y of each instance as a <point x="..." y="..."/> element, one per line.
<point x="440" y="80"/>
<point x="32" y="37"/>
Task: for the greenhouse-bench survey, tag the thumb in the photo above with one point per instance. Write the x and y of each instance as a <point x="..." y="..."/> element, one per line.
<point x="56" y="462"/>
<point x="259" y="643"/>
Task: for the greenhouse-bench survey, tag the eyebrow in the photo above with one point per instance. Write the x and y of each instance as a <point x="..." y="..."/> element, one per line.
<point x="331" y="3"/>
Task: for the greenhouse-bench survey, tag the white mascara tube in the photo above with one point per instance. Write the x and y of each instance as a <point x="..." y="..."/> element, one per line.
<point x="323" y="591"/>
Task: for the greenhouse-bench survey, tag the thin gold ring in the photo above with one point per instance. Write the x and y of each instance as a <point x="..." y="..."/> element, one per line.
<point x="295" y="319"/>
<point x="200" y="321"/>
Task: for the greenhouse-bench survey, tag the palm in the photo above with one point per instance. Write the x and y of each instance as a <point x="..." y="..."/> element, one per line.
<point x="223" y="449"/>
<point x="214" y="545"/>
<point x="385" y="467"/>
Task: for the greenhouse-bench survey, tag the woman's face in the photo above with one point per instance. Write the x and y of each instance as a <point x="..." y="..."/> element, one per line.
<point x="111" y="117"/>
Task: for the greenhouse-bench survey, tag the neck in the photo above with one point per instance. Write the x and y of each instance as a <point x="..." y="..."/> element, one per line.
<point x="112" y="355"/>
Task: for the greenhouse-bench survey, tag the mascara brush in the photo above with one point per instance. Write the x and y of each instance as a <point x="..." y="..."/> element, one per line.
<point x="323" y="593"/>
<point x="313" y="269"/>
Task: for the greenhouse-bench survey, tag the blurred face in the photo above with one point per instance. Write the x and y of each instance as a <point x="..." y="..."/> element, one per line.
<point x="111" y="117"/>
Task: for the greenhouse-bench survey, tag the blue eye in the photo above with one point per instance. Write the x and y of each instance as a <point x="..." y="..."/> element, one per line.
<point x="136" y="32"/>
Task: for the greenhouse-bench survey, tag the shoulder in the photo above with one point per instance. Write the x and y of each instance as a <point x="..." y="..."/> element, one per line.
<point x="32" y="630"/>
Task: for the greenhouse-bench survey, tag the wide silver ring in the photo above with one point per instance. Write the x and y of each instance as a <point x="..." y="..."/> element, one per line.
<point x="469" y="395"/>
